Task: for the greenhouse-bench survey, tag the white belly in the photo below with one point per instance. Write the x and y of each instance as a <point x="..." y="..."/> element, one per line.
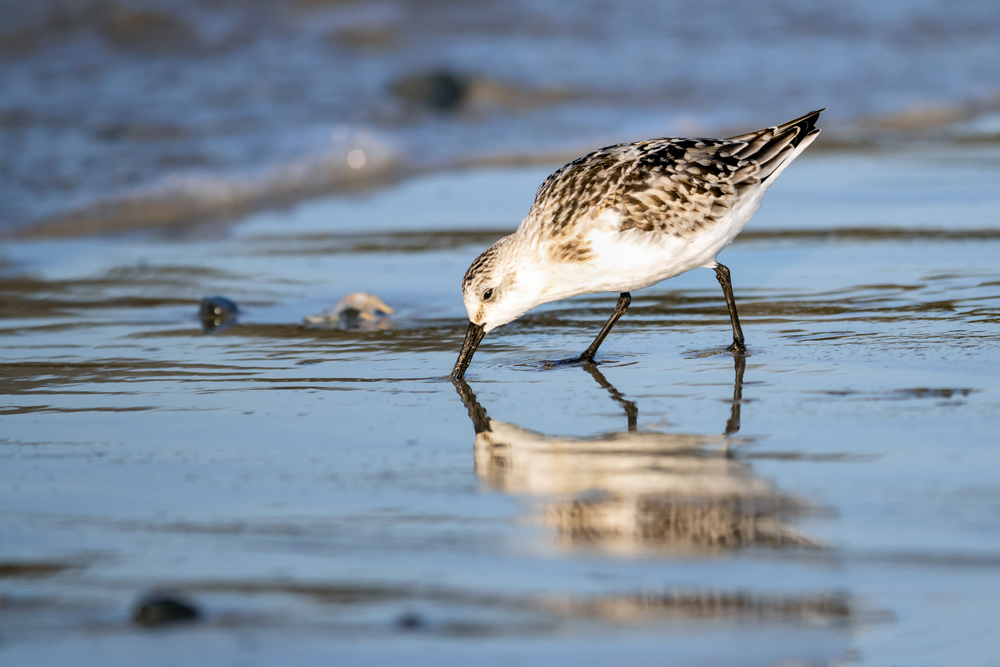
<point x="628" y="261"/>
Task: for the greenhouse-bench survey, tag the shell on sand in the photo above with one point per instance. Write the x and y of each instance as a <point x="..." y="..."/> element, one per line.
<point x="363" y="305"/>
<point x="355" y="308"/>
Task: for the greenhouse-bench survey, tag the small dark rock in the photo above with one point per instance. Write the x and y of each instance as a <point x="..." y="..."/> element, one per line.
<point x="440" y="91"/>
<point x="162" y="609"/>
<point x="216" y="313"/>
<point x="214" y="306"/>
<point x="410" y="621"/>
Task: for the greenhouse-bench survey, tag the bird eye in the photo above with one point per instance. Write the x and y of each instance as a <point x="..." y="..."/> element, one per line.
<point x="488" y="294"/>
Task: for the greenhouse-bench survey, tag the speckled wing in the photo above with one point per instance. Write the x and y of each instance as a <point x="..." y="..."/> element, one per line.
<point x="672" y="186"/>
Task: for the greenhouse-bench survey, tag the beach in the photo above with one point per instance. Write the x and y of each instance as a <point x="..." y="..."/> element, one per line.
<point x="309" y="487"/>
<point x="326" y="494"/>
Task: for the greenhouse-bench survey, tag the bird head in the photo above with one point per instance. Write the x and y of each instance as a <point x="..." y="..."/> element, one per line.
<point x="495" y="291"/>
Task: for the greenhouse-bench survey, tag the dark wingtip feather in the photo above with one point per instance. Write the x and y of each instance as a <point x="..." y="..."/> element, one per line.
<point x="770" y="146"/>
<point x="806" y="124"/>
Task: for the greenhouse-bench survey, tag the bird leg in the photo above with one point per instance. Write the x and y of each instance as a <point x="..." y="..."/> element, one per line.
<point x="738" y="346"/>
<point x="623" y="302"/>
<point x="588" y="355"/>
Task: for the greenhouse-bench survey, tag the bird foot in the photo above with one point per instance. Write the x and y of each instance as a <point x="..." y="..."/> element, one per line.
<point x="582" y="360"/>
<point x="738" y="349"/>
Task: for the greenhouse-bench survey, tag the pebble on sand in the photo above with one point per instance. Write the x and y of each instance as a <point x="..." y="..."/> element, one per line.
<point x="441" y="91"/>
<point x="216" y="313"/>
<point x="410" y="621"/>
<point x="157" y="610"/>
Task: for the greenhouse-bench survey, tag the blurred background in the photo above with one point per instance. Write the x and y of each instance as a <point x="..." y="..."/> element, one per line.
<point x="123" y="113"/>
<point x="195" y="433"/>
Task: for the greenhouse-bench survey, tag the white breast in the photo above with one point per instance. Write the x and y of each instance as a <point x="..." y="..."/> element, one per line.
<point x="630" y="260"/>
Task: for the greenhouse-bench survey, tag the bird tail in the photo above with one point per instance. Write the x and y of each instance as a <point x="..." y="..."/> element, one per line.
<point x="774" y="148"/>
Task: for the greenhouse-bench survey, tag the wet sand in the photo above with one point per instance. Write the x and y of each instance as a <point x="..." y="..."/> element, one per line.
<point x="329" y="495"/>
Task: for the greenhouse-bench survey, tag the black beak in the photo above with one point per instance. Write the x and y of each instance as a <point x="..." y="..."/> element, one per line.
<point x="472" y="339"/>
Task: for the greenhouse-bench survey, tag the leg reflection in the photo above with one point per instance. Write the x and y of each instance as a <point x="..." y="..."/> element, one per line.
<point x="633" y="490"/>
<point x="733" y="425"/>
<point x="631" y="411"/>
<point x="481" y="421"/>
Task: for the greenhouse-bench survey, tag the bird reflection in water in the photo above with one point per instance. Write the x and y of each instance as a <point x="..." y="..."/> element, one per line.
<point x="637" y="490"/>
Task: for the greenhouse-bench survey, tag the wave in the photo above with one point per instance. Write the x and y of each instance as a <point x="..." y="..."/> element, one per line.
<point x="359" y="159"/>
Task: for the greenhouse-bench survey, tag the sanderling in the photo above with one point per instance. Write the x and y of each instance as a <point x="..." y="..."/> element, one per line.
<point x="627" y="217"/>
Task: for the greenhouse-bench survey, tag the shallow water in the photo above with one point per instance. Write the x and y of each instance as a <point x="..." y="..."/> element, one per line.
<point x="321" y="493"/>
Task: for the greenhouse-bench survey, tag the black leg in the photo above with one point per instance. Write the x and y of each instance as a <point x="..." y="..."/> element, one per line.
<point x="623" y="302"/>
<point x="722" y="273"/>
<point x="588" y="355"/>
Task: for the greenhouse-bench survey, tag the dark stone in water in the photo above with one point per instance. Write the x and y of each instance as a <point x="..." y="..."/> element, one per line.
<point x="217" y="313"/>
<point x="215" y="306"/>
<point x="410" y="621"/>
<point x="162" y="609"/>
<point x="440" y="91"/>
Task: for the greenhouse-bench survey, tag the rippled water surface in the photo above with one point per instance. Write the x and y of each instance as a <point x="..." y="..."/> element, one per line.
<point x="115" y="113"/>
<point x="327" y="495"/>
